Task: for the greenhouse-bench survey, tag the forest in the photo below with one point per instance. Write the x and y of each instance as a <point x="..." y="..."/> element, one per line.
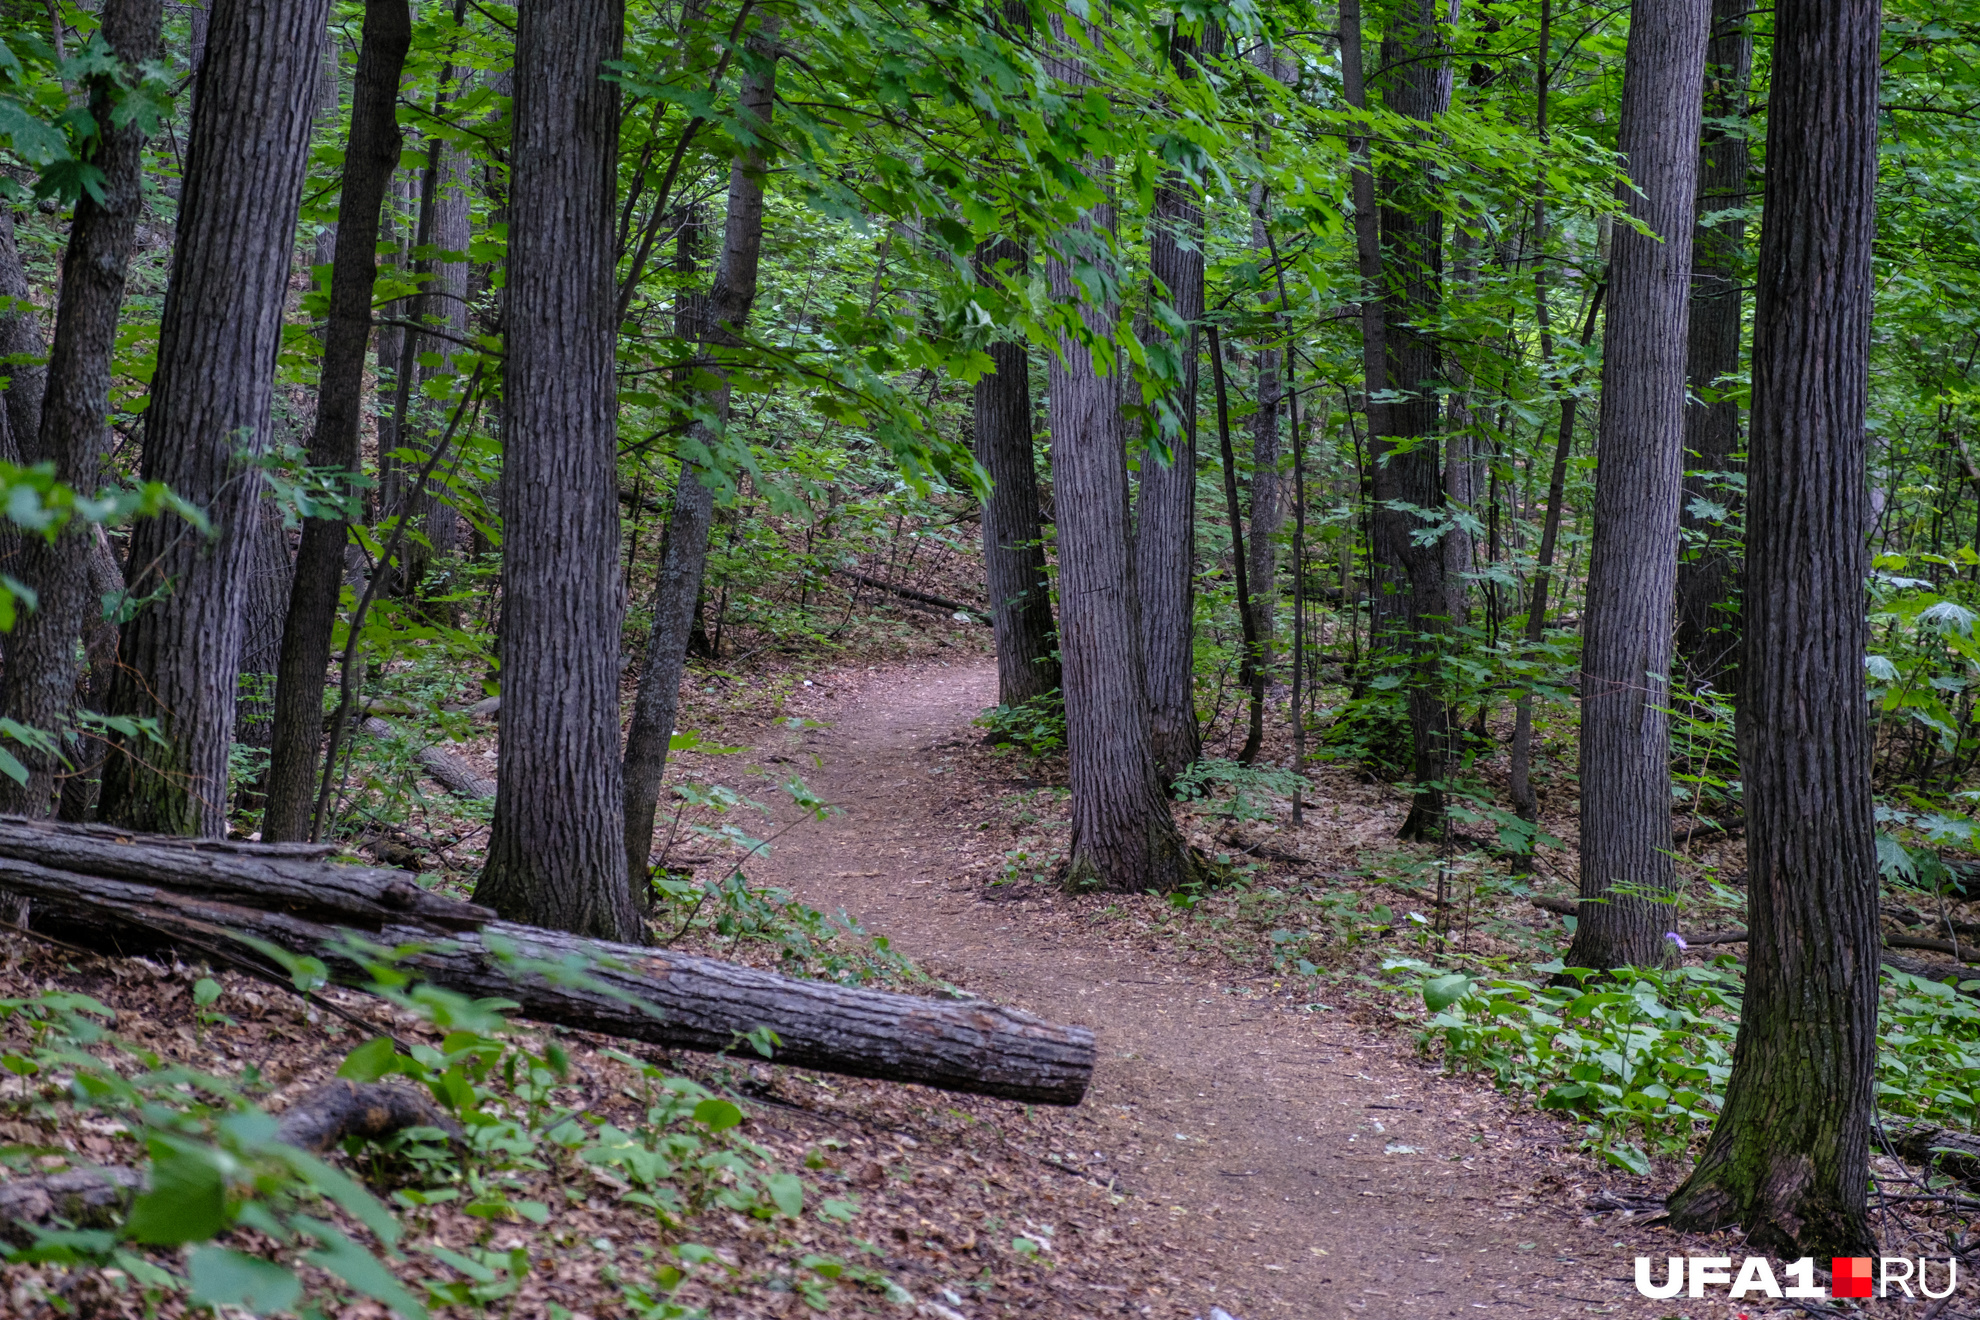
<point x="757" y="658"/>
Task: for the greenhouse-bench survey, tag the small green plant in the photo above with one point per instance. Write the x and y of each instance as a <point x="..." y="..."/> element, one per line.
<point x="1250" y="787"/>
<point x="1037" y="726"/>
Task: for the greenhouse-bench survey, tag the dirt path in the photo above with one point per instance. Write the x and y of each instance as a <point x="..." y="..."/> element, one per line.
<point x="1317" y="1166"/>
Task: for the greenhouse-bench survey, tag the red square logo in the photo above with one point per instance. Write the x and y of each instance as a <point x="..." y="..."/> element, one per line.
<point x="1852" y="1276"/>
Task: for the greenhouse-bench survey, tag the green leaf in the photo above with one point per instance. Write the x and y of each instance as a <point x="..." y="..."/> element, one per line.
<point x="362" y="1270"/>
<point x="206" y="991"/>
<point x="787" y="1192"/>
<point x="1441" y="992"/>
<point x="718" y="1115"/>
<point x="221" y="1277"/>
<point x="187" y="1201"/>
<point x="369" y="1061"/>
<point x="1626" y="1156"/>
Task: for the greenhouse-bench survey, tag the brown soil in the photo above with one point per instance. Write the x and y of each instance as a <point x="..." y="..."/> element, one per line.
<point x="1278" y="1161"/>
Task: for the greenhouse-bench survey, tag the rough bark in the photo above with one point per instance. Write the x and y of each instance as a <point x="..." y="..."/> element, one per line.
<point x="1409" y="603"/>
<point x="450" y="770"/>
<point x="717" y="322"/>
<point x="371" y="1111"/>
<point x="302" y="668"/>
<point x="1626" y="865"/>
<point x="86" y="1198"/>
<point x="554" y="852"/>
<point x="1013" y="533"/>
<point x="1788" y="1158"/>
<point x="1165" y="508"/>
<point x="209" y="401"/>
<point x="265" y="590"/>
<point x="22" y="350"/>
<point x="1708" y="574"/>
<point x="1124" y="836"/>
<point x="1267" y="482"/>
<point x="127" y="894"/>
<point x="106" y="584"/>
<point x="42" y="673"/>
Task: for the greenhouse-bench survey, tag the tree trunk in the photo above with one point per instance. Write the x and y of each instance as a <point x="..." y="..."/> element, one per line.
<point x="717" y="323"/>
<point x="41" y="675"/>
<point x="210" y="400"/>
<point x="440" y="520"/>
<point x="1626" y="864"/>
<point x="1267" y="482"/>
<point x="106" y="580"/>
<point x="1409" y="604"/>
<point x="1165" y="510"/>
<point x="370" y="157"/>
<point x="1251" y="674"/>
<point x="265" y="589"/>
<point x="1708" y="574"/>
<point x="133" y="895"/>
<point x="1788" y="1158"/>
<point x="554" y="848"/>
<point x="1124" y="836"/>
<point x="1013" y="535"/>
<point x="21" y="343"/>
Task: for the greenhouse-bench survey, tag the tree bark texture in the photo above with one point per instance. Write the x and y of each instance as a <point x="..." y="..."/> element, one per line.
<point x="1708" y="574"/>
<point x="130" y="895"/>
<point x="42" y="673"/>
<point x="1013" y="533"/>
<point x="106" y="582"/>
<point x="23" y="347"/>
<point x="717" y="322"/>
<point x="302" y="669"/>
<point x="1267" y="482"/>
<point x="1165" y="509"/>
<point x="554" y="847"/>
<point x="1788" y="1158"/>
<point x="1124" y="835"/>
<point x="1626" y="864"/>
<point x="265" y="590"/>
<point x="1408" y="597"/>
<point x="209" y="403"/>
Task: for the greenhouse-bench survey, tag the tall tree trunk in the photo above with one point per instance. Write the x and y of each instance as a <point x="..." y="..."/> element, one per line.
<point x="1267" y="482"/>
<point x="41" y="675"/>
<point x="265" y="590"/>
<point x="440" y="520"/>
<point x="22" y="344"/>
<point x="554" y="854"/>
<point x="329" y="95"/>
<point x="684" y="550"/>
<point x="1626" y="864"/>
<point x="1252" y="674"/>
<point x="1013" y="534"/>
<point x="1124" y="835"/>
<point x="210" y="399"/>
<point x="1165" y="510"/>
<point x="396" y="229"/>
<point x="1409" y="603"/>
<point x="370" y="157"/>
<point x="1789" y="1157"/>
<point x="1708" y="575"/>
<point x="106" y="579"/>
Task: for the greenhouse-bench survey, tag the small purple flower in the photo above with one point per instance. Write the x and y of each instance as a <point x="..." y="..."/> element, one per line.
<point x="1676" y="939"/>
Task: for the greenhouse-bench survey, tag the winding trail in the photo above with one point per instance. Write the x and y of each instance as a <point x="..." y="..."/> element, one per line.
<point x="1318" y="1166"/>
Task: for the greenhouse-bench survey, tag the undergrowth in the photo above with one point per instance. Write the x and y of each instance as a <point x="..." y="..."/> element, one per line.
<point x="229" y="1216"/>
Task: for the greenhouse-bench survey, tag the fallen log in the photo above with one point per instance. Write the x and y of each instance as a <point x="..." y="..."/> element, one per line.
<point x="120" y="892"/>
<point x="916" y="595"/>
<point x="98" y="1196"/>
<point x="450" y="770"/>
<point x="1949" y="1151"/>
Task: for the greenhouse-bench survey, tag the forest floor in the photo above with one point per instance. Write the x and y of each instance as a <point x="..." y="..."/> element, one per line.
<point x="1259" y="1139"/>
<point x="1277" y="1158"/>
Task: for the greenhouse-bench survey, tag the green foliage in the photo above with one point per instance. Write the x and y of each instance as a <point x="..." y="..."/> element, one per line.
<point x="1250" y="787"/>
<point x="1038" y="726"/>
<point x="1643" y="1058"/>
<point x="214" y="1165"/>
